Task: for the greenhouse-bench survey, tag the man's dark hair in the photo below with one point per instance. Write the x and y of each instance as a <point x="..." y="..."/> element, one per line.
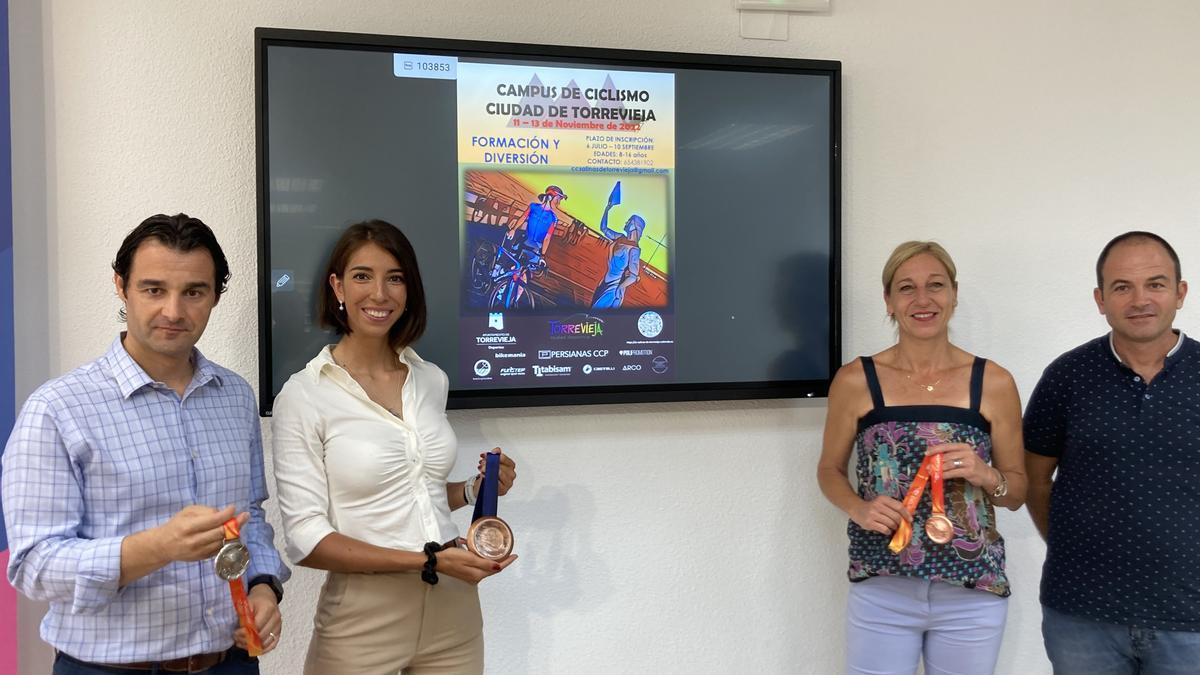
<point x="1136" y="235"/>
<point x="179" y="232"/>
<point x="411" y="324"/>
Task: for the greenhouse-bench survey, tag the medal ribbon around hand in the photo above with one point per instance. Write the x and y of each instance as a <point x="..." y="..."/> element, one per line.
<point x="241" y="603"/>
<point x="903" y="533"/>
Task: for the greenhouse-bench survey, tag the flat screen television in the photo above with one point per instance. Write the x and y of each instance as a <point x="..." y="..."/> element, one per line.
<point x="591" y="225"/>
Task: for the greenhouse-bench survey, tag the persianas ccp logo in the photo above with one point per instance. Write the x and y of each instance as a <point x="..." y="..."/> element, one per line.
<point x="578" y="325"/>
<point x="572" y="353"/>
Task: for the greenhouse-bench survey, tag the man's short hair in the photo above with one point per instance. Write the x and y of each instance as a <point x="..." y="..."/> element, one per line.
<point x="411" y="324"/>
<point x="1135" y="235"/>
<point x="179" y="232"/>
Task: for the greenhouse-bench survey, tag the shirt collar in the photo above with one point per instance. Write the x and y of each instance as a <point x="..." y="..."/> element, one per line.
<point x="131" y="377"/>
<point x="1112" y="347"/>
<point x="324" y="360"/>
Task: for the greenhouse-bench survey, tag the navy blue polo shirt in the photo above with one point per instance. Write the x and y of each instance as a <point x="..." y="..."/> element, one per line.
<point x="1124" y="537"/>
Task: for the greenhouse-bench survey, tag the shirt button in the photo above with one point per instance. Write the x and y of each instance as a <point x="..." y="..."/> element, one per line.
<point x="1147" y="397"/>
<point x="1137" y="379"/>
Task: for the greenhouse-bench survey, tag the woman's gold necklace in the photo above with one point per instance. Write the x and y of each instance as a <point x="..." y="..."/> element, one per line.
<point x="927" y="387"/>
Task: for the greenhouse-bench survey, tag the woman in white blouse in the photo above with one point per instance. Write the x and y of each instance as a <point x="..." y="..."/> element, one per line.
<point x="362" y="453"/>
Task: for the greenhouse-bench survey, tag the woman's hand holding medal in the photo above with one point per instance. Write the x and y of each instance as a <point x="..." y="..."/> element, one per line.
<point x="456" y="561"/>
<point x="960" y="461"/>
<point x="508" y="472"/>
<point x="882" y="514"/>
<point x="487" y="547"/>
<point x="885" y="514"/>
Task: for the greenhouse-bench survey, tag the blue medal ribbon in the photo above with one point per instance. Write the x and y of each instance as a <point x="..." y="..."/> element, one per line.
<point x="489" y="493"/>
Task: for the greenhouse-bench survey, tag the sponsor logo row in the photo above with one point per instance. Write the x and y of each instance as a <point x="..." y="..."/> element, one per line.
<point x="545" y="354"/>
<point x="484" y="368"/>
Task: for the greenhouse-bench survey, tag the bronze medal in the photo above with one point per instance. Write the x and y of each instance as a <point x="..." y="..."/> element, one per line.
<point x="491" y="538"/>
<point x="939" y="529"/>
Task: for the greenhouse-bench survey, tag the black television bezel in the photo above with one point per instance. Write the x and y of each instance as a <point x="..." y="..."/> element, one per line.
<point x="554" y="396"/>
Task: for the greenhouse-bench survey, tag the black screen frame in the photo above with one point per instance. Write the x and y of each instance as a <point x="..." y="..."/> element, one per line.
<point x="575" y="395"/>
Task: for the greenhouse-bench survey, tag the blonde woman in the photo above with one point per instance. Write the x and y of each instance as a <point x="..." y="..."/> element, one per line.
<point x="914" y="598"/>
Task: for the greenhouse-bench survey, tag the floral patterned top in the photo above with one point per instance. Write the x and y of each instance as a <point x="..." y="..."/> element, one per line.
<point x="891" y="444"/>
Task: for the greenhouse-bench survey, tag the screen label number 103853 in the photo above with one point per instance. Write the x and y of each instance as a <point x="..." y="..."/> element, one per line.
<point x="425" y="66"/>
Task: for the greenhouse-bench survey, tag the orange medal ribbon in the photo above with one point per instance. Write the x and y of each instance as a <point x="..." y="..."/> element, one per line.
<point x="241" y="603"/>
<point x="938" y="528"/>
<point x="903" y="533"/>
<point x="938" y="489"/>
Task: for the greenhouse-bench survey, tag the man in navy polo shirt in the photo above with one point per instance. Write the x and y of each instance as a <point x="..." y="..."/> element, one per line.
<point x="1119" y="418"/>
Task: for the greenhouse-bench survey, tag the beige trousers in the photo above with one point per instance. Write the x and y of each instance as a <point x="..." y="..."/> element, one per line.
<point x="383" y="624"/>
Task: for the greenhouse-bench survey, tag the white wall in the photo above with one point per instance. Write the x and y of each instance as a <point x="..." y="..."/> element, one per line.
<point x="1022" y="135"/>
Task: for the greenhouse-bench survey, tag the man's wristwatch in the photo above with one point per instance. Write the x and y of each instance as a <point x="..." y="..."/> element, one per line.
<point x="270" y="580"/>
<point x="1001" y="487"/>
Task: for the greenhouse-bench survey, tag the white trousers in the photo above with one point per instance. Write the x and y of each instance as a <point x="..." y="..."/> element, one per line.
<point x="892" y="622"/>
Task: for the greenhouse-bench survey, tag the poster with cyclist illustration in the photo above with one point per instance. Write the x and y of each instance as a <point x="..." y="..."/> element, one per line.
<point x="566" y="241"/>
<point x="567" y="183"/>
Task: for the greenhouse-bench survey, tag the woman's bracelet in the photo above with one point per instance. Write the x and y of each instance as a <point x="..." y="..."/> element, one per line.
<point x="469" y="490"/>
<point x="429" y="571"/>
<point x="1001" y="489"/>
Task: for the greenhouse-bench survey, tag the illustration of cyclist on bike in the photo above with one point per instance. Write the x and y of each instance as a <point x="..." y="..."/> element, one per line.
<point x="528" y="254"/>
<point x="624" y="256"/>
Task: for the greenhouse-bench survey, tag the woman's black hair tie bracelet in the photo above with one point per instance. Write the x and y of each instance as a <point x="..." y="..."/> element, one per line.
<point x="429" y="571"/>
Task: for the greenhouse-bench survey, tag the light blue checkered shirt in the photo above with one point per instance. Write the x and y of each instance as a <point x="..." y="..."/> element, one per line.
<point x="103" y="452"/>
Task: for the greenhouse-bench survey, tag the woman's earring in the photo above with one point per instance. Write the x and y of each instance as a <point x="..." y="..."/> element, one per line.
<point x="341" y="306"/>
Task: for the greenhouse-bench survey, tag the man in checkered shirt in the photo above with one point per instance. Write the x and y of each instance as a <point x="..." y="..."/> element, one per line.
<point x="118" y="476"/>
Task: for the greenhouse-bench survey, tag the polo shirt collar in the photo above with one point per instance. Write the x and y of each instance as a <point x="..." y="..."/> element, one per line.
<point x="131" y="377"/>
<point x="1113" y="348"/>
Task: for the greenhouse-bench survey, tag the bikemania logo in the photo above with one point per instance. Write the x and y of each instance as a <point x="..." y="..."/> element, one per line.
<point x="577" y="326"/>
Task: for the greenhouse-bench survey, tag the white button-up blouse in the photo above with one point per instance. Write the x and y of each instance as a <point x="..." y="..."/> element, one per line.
<point x="344" y="463"/>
